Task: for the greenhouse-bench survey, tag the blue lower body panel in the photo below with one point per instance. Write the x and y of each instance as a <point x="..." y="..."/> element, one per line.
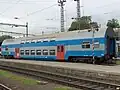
<point x="8" y="53"/>
<point x="96" y="53"/>
<point x="49" y="58"/>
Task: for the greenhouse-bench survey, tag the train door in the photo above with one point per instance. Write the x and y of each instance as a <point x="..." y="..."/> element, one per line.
<point x="60" y="52"/>
<point x="111" y="46"/>
<point x="17" y="53"/>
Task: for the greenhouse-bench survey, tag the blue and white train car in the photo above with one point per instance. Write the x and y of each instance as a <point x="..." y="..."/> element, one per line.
<point x="67" y="46"/>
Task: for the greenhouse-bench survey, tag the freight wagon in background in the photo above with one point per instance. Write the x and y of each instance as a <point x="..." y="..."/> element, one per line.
<point x="65" y="46"/>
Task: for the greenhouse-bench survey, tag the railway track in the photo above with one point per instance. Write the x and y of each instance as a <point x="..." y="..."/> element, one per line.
<point x="3" y="87"/>
<point x="82" y="83"/>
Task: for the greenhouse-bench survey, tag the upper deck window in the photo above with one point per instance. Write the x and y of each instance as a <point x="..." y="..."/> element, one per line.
<point x="96" y="44"/>
<point x="38" y="41"/>
<point x="86" y="45"/>
<point x="22" y="42"/>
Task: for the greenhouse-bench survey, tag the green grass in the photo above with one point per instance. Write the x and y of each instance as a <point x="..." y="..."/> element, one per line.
<point x="62" y="88"/>
<point x="24" y="80"/>
<point x="118" y="62"/>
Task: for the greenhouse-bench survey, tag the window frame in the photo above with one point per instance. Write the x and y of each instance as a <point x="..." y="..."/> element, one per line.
<point x="38" y="41"/>
<point x="22" y="42"/>
<point x="43" y="52"/>
<point x="95" y="45"/>
<point x="21" y="52"/>
<point x="50" y="51"/>
<point x="58" y="49"/>
<point x="86" y="45"/>
<point x="27" y="53"/>
<point x="32" y="52"/>
<point x="39" y="53"/>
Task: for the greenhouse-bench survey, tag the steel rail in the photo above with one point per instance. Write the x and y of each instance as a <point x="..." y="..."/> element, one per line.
<point x="3" y="87"/>
<point x="82" y="83"/>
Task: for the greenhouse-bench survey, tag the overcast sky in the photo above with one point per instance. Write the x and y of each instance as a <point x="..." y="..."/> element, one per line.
<point x="44" y="15"/>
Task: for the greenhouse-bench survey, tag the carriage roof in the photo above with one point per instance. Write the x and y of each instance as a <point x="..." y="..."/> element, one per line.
<point x="81" y="34"/>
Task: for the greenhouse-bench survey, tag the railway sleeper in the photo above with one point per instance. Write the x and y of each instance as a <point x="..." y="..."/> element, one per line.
<point x="60" y="78"/>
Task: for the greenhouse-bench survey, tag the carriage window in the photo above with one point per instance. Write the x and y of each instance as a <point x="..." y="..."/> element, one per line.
<point x="45" y="52"/>
<point x="45" y="41"/>
<point x="32" y="52"/>
<point x="58" y="49"/>
<point x="38" y="52"/>
<point x="6" y="48"/>
<point x="62" y="48"/>
<point x="52" y="52"/>
<point x="96" y="44"/>
<point x="33" y="41"/>
<point x="38" y="41"/>
<point x="28" y="42"/>
<point x="22" y="52"/>
<point x="22" y="42"/>
<point x="52" y="40"/>
<point x="27" y="52"/>
<point x="86" y="45"/>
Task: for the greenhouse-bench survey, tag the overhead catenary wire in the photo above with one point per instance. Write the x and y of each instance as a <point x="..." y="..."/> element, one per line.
<point x="8" y="8"/>
<point x="38" y="11"/>
<point x="28" y="2"/>
<point x="13" y="32"/>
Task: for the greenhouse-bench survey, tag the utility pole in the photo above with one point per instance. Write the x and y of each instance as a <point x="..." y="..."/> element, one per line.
<point x="78" y="12"/>
<point x="93" y="29"/>
<point x="26" y="29"/>
<point x="93" y="41"/>
<point x="27" y="33"/>
<point x="61" y="4"/>
<point x="78" y="9"/>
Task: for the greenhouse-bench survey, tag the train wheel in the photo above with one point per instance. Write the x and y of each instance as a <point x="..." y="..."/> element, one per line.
<point x="70" y="59"/>
<point x="75" y="60"/>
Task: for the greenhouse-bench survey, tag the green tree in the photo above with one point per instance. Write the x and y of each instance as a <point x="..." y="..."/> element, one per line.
<point x="2" y="38"/>
<point x="82" y="23"/>
<point x="113" y="23"/>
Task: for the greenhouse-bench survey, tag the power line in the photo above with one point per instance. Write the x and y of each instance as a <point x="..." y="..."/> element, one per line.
<point x="23" y="2"/>
<point x="8" y="8"/>
<point x="32" y="13"/>
<point x="108" y="4"/>
<point x="14" y="32"/>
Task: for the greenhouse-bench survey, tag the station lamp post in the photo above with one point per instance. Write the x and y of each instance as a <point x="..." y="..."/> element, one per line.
<point x="27" y="32"/>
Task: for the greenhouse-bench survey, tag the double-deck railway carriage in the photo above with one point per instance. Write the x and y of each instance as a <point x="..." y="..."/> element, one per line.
<point x="67" y="46"/>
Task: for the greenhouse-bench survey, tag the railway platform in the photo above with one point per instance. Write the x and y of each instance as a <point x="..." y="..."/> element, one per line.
<point x="77" y="66"/>
<point x="97" y="72"/>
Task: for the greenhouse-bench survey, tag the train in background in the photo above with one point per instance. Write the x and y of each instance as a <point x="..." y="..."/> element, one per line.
<point x="64" y="46"/>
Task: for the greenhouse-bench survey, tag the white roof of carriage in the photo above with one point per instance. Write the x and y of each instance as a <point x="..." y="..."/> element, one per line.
<point x="81" y="34"/>
<point x="71" y="34"/>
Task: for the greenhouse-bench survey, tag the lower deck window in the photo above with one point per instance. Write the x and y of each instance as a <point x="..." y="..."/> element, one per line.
<point x="32" y="52"/>
<point x="22" y="52"/>
<point x="52" y="52"/>
<point x="38" y="52"/>
<point x="45" y="52"/>
<point x="27" y="52"/>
